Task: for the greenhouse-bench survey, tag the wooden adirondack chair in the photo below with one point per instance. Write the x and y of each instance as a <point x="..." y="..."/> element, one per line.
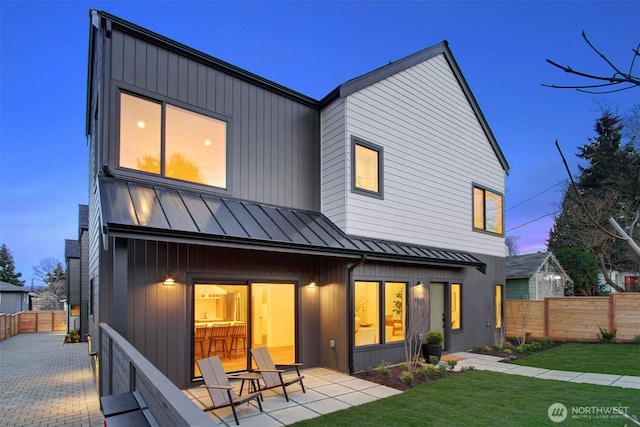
<point x="272" y="374"/>
<point x="220" y="390"/>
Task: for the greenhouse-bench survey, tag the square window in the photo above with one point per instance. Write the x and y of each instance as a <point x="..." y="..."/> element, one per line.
<point x="195" y="147"/>
<point x="487" y="210"/>
<point x="366" y="168"/>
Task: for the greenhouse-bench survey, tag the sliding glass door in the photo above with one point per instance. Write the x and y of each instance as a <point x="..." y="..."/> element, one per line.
<point x="228" y="320"/>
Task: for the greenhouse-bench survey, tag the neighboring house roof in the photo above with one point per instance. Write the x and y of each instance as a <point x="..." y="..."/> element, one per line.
<point x="71" y="248"/>
<point x="8" y="287"/>
<point x="136" y="210"/>
<point x="525" y="266"/>
<point x="83" y="217"/>
<point x="344" y="89"/>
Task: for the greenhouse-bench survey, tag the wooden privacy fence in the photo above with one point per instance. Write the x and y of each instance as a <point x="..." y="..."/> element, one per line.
<point x="32" y="321"/>
<point x="575" y="318"/>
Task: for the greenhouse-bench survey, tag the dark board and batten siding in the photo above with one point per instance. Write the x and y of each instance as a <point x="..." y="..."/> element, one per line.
<point x="477" y="304"/>
<point x="158" y="322"/>
<point x="273" y="140"/>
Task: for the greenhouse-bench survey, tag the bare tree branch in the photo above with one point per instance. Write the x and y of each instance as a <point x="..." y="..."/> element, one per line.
<point x="618" y="78"/>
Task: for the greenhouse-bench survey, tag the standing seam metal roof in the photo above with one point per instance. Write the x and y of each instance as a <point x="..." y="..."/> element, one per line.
<point x="132" y="206"/>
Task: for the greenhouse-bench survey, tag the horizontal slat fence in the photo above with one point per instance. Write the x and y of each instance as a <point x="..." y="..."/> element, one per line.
<point x="575" y="318"/>
<point x="32" y="321"/>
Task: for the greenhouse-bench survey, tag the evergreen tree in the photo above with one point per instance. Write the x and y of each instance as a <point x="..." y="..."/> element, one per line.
<point x="608" y="186"/>
<point x="8" y="268"/>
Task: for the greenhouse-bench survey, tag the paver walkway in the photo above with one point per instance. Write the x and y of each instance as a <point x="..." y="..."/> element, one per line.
<point x="44" y="382"/>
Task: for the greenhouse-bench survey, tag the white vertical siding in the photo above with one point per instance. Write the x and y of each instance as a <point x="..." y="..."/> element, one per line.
<point x="333" y="157"/>
<point x="434" y="149"/>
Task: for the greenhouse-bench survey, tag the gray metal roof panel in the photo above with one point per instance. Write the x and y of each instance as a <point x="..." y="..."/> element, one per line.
<point x="127" y="204"/>
<point x="273" y="230"/>
<point x="147" y="207"/>
<point x="116" y="203"/>
<point x="200" y="213"/>
<point x="178" y="216"/>
<point x="288" y="229"/>
<point x="308" y="234"/>
<point x="229" y="223"/>
<point x="249" y="224"/>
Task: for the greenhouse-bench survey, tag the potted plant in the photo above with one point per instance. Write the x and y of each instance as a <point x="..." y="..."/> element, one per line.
<point x="74" y="336"/>
<point x="432" y="345"/>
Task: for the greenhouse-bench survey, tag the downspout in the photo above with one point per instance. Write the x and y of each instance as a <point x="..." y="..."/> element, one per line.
<point x="350" y="310"/>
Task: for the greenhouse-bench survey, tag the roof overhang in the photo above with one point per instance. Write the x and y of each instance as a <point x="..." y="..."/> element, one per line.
<point x="135" y="210"/>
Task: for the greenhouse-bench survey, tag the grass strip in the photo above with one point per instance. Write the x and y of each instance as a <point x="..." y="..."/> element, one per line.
<point x="598" y="358"/>
<point x="484" y="398"/>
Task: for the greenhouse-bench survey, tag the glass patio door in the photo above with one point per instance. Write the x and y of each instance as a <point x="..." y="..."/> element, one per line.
<point x="273" y="319"/>
<point x="220" y="326"/>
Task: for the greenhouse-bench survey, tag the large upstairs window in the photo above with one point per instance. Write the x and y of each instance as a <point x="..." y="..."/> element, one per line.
<point x="166" y="140"/>
<point x="487" y="210"/>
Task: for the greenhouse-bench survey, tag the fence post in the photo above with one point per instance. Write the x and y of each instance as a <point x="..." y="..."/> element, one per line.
<point x="612" y="312"/>
<point x="546" y="317"/>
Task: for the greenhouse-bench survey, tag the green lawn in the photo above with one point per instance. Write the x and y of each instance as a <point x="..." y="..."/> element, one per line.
<point x="620" y="359"/>
<point x="484" y="398"/>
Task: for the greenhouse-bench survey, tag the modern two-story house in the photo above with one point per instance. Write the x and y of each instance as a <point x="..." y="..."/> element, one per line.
<point x="229" y="212"/>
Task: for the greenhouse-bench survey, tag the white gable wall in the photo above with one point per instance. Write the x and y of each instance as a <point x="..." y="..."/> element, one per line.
<point x="434" y="149"/>
<point x="334" y="158"/>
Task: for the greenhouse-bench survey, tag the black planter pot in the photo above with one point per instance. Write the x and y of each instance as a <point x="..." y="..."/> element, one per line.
<point x="431" y="350"/>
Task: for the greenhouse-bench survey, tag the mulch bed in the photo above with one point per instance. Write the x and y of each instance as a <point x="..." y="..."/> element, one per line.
<point x="393" y="379"/>
<point x="513" y="355"/>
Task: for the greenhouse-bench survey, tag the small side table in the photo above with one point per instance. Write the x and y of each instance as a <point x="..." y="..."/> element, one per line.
<point x="252" y="377"/>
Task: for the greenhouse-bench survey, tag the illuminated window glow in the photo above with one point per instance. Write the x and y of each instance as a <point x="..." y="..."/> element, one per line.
<point x="367" y="168"/>
<point x="456" y="307"/>
<point x="487" y="210"/>
<point x="367" y="326"/>
<point x="194" y="148"/>
<point x="498" y="305"/>
<point x="395" y="307"/>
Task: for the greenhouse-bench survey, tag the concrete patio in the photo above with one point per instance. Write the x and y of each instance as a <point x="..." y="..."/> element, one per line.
<point x="326" y="391"/>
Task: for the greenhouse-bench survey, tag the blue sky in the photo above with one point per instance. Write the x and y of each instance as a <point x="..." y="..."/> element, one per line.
<point x="310" y="47"/>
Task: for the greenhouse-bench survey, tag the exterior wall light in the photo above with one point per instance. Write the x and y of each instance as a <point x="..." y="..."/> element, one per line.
<point x="312" y="284"/>
<point x="419" y="293"/>
<point x="169" y="279"/>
